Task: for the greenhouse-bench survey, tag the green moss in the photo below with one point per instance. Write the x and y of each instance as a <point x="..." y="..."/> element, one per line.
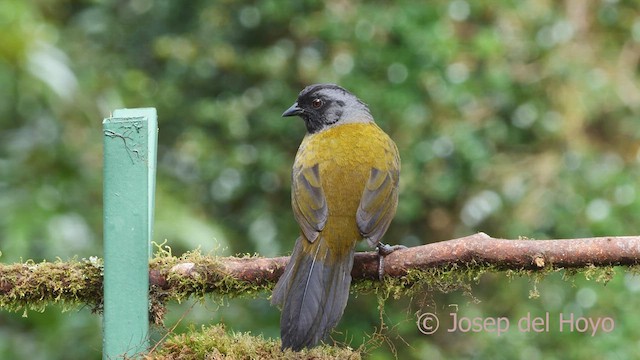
<point x="633" y="270"/>
<point x="33" y="286"/>
<point x="207" y="276"/>
<point x="215" y="343"/>
<point x="441" y="279"/>
<point x="600" y="274"/>
<point x="534" y="276"/>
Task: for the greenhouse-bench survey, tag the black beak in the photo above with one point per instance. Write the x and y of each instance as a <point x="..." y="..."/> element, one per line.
<point x="293" y="110"/>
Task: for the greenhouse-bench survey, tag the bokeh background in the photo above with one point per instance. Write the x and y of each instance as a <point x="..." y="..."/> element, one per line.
<point x="516" y="118"/>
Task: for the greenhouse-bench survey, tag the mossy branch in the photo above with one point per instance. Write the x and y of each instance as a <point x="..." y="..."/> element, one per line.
<point x="443" y="265"/>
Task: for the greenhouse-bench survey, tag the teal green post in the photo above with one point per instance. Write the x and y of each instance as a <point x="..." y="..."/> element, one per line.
<point x="130" y="147"/>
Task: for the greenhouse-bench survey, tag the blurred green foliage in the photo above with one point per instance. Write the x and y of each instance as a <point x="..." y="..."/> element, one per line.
<point x="516" y="118"/>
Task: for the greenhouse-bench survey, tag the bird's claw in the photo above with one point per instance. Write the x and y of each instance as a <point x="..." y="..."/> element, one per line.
<point x="384" y="250"/>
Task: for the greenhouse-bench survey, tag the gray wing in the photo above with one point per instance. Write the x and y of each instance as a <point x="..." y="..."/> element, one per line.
<point x="378" y="204"/>
<point x="308" y="201"/>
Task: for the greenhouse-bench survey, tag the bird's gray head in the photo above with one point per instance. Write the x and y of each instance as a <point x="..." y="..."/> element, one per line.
<point x="322" y="106"/>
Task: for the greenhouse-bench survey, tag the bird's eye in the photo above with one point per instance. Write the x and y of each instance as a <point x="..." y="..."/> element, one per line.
<point x="316" y="103"/>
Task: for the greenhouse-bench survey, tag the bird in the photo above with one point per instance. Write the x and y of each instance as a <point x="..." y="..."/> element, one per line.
<point x="344" y="189"/>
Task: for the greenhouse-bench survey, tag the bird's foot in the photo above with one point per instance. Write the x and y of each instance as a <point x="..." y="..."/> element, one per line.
<point x="384" y="250"/>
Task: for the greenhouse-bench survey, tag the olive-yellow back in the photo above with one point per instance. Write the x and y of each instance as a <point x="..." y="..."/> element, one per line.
<point x="345" y="155"/>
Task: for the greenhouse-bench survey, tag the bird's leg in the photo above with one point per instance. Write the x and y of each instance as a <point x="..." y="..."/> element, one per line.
<point x="384" y="250"/>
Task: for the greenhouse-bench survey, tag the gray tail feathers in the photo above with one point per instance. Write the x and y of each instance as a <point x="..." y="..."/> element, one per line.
<point x="313" y="292"/>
